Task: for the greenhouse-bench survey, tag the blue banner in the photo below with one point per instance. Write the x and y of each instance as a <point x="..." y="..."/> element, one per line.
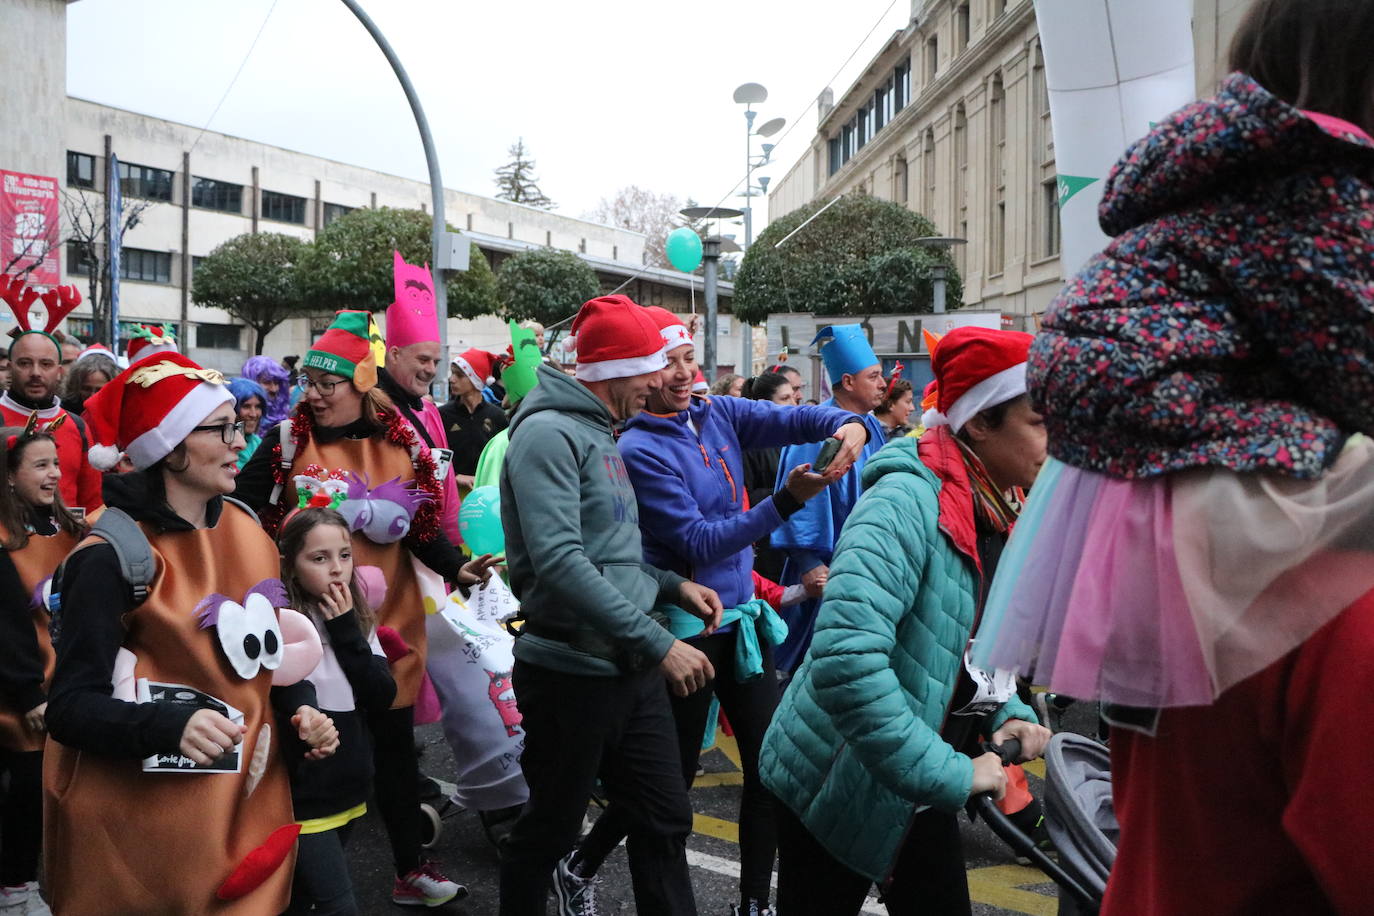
<point x="115" y="234"/>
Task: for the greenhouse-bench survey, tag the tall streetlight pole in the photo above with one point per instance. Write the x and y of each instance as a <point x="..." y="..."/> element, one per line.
<point x="749" y="95"/>
<point x="937" y="275"/>
<point x="711" y="247"/>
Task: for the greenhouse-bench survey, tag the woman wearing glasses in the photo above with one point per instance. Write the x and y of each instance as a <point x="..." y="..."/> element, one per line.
<point x="164" y="790"/>
<point x="348" y="448"/>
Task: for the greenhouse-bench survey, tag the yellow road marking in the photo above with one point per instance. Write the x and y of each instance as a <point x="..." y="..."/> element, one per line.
<point x="711" y="780"/>
<point x="727" y="746"/>
<point x="1001" y="886"/>
<point x="1035" y="766"/>
<point x="715" y="827"/>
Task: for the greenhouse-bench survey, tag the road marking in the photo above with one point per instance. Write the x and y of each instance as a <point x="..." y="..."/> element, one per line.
<point x="729" y="869"/>
<point x="715" y="827"/>
<point x="712" y="780"/>
<point x="1002" y="886"/>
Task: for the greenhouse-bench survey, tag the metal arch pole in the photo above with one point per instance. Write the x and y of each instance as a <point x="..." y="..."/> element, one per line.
<point x="436" y="183"/>
<point x="746" y="333"/>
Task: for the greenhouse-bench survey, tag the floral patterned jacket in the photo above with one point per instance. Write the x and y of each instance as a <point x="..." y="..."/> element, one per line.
<point x="1230" y="322"/>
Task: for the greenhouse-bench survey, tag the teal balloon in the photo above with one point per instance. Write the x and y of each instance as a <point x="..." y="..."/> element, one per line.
<point x="479" y="521"/>
<point x="683" y="247"/>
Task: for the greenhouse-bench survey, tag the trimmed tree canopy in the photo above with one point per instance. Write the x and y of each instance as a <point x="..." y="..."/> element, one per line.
<point x="544" y="284"/>
<point x="350" y="264"/>
<point x="859" y="257"/>
<point x="255" y="279"/>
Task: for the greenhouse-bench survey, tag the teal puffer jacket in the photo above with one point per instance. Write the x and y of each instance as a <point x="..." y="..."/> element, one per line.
<point x="855" y="748"/>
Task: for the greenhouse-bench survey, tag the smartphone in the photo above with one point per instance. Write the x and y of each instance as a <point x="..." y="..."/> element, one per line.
<point x="827" y="454"/>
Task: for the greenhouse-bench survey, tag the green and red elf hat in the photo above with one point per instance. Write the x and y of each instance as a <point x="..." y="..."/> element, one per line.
<point x="345" y="348"/>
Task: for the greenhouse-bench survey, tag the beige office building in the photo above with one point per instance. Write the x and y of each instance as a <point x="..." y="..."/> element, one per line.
<point x="952" y="120"/>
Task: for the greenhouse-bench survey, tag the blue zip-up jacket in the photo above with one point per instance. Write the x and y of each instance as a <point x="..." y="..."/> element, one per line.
<point x="688" y="473"/>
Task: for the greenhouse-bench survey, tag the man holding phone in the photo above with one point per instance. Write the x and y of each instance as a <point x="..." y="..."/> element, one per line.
<point x="808" y="537"/>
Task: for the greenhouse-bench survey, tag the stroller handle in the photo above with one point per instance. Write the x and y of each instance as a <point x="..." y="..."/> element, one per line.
<point x="1009" y="750"/>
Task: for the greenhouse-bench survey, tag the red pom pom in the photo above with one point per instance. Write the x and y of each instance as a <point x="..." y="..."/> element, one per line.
<point x="259" y="864"/>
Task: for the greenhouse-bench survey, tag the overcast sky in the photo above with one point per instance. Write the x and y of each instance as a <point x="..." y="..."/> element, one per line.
<point x="605" y="94"/>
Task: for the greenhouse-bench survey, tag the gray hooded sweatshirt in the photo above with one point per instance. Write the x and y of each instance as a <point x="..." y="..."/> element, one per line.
<point x="572" y="539"/>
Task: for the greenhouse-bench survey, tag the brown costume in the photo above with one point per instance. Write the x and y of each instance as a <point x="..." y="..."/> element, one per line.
<point x="35" y="562"/>
<point x="120" y="840"/>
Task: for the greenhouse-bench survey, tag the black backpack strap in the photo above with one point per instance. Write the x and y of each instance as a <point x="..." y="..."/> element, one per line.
<point x="81" y="428"/>
<point x="131" y="546"/>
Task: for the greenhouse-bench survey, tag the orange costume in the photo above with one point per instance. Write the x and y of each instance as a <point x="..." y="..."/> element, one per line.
<point x="35" y="563"/>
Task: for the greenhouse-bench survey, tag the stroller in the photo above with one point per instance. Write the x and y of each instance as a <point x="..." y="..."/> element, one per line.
<point x="1078" y="815"/>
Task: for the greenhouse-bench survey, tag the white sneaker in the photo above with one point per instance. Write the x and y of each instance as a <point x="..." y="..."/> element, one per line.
<point x="14" y="900"/>
<point x="37" y="906"/>
<point x="576" y="896"/>
<point x="427" y="887"/>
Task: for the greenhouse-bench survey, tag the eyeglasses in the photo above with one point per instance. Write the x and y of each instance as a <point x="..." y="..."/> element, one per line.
<point x="228" y="432"/>
<point x="323" y="387"/>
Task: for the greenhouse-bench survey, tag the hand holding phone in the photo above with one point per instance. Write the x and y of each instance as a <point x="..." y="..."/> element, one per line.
<point x="827" y="454"/>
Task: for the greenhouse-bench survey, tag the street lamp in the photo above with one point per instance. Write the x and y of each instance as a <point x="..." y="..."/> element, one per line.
<point x="749" y="95"/>
<point x="710" y="256"/>
<point x="940" y="243"/>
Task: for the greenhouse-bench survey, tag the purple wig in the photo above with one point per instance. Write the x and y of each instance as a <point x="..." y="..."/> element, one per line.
<point x="275" y="409"/>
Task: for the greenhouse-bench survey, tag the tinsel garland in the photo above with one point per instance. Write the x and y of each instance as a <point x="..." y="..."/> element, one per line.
<point x="395" y="430"/>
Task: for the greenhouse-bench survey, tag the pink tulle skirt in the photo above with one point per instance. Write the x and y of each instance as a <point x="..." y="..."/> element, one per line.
<point x="1168" y="591"/>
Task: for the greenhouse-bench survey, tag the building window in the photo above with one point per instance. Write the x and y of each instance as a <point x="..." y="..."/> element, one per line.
<point x="834" y="153"/>
<point x="1040" y="98"/>
<point x="217" y="195"/>
<point x="865" y="126"/>
<point x="997" y="144"/>
<point x="960" y="179"/>
<point x="334" y="211"/>
<point x="901" y="86"/>
<point x="928" y="171"/>
<point x="145" y="266"/>
<point x="80" y="170"/>
<point x="847" y="142"/>
<point x="900" y="190"/>
<point x="145" y="181"/>
<point x="217" y="336"/>
<point x="961" y="27"/>
<point x="79" y="260"/>
<point x="932" y="57"/>
<point x="195" y="263"/>
<point x="284" y="208"/>
<point x="1049" y="218"/>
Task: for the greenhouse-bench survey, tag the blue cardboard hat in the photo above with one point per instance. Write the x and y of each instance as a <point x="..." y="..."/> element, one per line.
<point x="844" y="350"/>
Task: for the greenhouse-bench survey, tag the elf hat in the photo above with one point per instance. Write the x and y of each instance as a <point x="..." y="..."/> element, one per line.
<point x="978" y="368"/>
<point x="150" y="408"/>
<point x="476" y="365"/>
<point x="411" y="319"/>
<point x="616" y="339"/>
<point x="670" y="328"/>
<point x="345" y="348"/>
<point x="147" y="339"/>
<point x="844" y="349"/>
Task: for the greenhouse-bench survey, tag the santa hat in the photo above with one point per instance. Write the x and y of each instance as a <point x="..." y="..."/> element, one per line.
<point x="150" y="408"/>
<point x="977" y="368"/>
<point x="670" y="328"/>
<point x="476" y="365"/>
<point x="93" y="350"/>
<point x="345" y="348"/>
<point x="699" y="385"/>
<point x="147" y="339"/>
<point x="411" y="319"/>
<point x="616" y="339"/>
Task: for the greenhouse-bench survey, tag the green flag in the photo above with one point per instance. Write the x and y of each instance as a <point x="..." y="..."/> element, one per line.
<point x="1069" y="185"/>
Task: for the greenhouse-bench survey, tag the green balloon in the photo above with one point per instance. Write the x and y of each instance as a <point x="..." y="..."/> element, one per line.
<point x="683" y="247"/>
<point x="479" y="521"/>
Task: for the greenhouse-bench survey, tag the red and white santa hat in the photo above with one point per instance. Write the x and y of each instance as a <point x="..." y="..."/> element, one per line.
<point x="476" y="365"/>
<point x="150" y="408"/>
<point x="976" y="368"/>
<point x="670" y="328"/>
<point x="616" y="339"/>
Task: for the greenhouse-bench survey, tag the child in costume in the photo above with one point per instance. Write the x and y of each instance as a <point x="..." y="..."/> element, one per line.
<point x="164" y="789"/>
<point x="37" y="531"/>
<point x="1198" y="547"/>
<point x="352" y="678"/>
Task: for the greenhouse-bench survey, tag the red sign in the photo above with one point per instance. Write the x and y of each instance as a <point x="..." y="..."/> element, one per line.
<point x="29" y="227"/>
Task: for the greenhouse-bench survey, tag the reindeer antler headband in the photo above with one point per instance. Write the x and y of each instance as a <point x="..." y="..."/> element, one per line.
<point x="19" y="296"/>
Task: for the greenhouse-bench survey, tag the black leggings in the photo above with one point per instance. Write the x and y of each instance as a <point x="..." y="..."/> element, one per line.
<point x="322" y="885"/>
<point x="749" y="707"/>
<point x="21" y="824"/>
<point x="396" y="784"/>
<point x="927" y="880"/>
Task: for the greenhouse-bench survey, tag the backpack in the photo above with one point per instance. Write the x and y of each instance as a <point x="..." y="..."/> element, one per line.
<point x="137" y="567"/>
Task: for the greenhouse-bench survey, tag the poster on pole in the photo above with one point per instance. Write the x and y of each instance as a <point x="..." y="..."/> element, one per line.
<point x="29" y="228"/>
<point x="1113" y="67"/>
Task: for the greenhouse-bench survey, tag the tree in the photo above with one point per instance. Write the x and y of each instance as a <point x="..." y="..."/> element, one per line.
<point x="255" y="278"/>
<point x="859" y="257"/>
<point x="350" y="264"/>
<point x="641" y="210"/>
<point x="545" y="284"/>
<point x="517" y="180"/>
<point x="88" y="226"/>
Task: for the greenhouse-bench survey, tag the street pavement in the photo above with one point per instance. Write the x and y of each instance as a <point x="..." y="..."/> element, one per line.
<point x="998" y="886"/>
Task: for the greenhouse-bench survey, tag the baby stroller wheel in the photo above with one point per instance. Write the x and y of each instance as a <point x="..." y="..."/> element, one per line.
<point x="431" y="825"/>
